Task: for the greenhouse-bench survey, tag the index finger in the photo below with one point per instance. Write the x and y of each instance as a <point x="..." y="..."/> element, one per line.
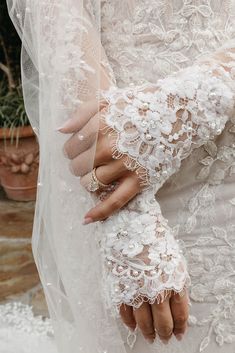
<point x="128" y="188"/>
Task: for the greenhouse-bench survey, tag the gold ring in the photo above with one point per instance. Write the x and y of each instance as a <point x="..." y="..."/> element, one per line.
<point x="95" y="184"/>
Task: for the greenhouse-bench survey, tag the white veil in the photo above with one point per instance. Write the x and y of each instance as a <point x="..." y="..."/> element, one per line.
<point x="63" y="67"/>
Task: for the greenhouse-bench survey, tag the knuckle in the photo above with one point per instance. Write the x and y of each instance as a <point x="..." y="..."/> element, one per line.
<point x="165" y="331"/>
<point x="180" y="320"/>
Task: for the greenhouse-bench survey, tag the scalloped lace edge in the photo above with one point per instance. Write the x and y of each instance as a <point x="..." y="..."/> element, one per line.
<point x="159" y="298"/>
<point x="129" y="162"/>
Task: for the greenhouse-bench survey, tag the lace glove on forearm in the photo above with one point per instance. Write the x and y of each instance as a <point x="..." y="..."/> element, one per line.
<point x="155" y="127"/>
<point x="142" y="259"/>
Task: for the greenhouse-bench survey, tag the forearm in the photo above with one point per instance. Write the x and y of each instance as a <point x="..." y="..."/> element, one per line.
<point x="157" y="126"/>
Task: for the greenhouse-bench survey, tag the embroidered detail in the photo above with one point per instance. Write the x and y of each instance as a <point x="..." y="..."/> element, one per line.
<point x="143" y="261"/>
<point x="156" y="127"/>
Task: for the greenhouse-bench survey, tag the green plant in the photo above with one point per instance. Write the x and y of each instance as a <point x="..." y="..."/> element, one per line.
<point x="12" y="111"/>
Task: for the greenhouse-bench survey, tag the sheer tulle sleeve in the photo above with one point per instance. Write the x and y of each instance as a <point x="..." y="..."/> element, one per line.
<point x="155" y="127"/>
<point x="63" y="68"/>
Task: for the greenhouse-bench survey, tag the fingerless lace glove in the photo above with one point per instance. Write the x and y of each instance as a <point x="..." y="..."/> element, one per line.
<point x="142" y="259"/>
<point x="155" y="127"/>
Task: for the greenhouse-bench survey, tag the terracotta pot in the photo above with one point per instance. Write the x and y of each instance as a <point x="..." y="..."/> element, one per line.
<point x="19" y="158"/>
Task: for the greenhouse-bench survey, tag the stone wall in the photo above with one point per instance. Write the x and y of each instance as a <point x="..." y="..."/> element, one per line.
<point x="19" y="279"/>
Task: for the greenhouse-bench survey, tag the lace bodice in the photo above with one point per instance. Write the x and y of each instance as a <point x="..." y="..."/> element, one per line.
<point x="147" y="39"/>
<point x="169" y="36"/>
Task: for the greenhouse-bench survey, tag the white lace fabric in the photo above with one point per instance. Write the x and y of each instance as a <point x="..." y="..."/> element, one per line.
<point x="22" y="332"/>
<point x="155" y="129"/>
<point x="142" y="259"/>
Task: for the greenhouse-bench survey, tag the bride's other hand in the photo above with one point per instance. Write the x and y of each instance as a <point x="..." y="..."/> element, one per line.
<point x="154" y="321"/>
<point x="83" y="146"/>
<point x="159" y="320"/>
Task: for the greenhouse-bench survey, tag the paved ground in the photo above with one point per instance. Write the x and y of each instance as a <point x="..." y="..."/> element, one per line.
<point x="18" y="274"/>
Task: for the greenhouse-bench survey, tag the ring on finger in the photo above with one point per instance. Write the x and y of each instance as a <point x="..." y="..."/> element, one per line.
<point x="95" y="184"/>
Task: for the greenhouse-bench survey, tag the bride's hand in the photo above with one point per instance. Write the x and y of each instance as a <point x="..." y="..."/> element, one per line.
<point x="159" y="320"/>
<point x="84" y="146"/>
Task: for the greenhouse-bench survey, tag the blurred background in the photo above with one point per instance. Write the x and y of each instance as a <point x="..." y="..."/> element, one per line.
<point x="19" y="156"/>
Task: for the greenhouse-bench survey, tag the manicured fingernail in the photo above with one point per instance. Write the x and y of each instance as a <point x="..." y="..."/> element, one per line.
<point x="87" y="220"/>
<point x="150" y="341"/>
<point x="67" y="124"/>
<point x="179" y="337"/>
<point x="59" y="128"/>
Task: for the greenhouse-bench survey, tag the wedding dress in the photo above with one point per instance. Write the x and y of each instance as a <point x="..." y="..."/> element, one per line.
<point x="149" y="45"/>
<point x="203" y="185"/>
